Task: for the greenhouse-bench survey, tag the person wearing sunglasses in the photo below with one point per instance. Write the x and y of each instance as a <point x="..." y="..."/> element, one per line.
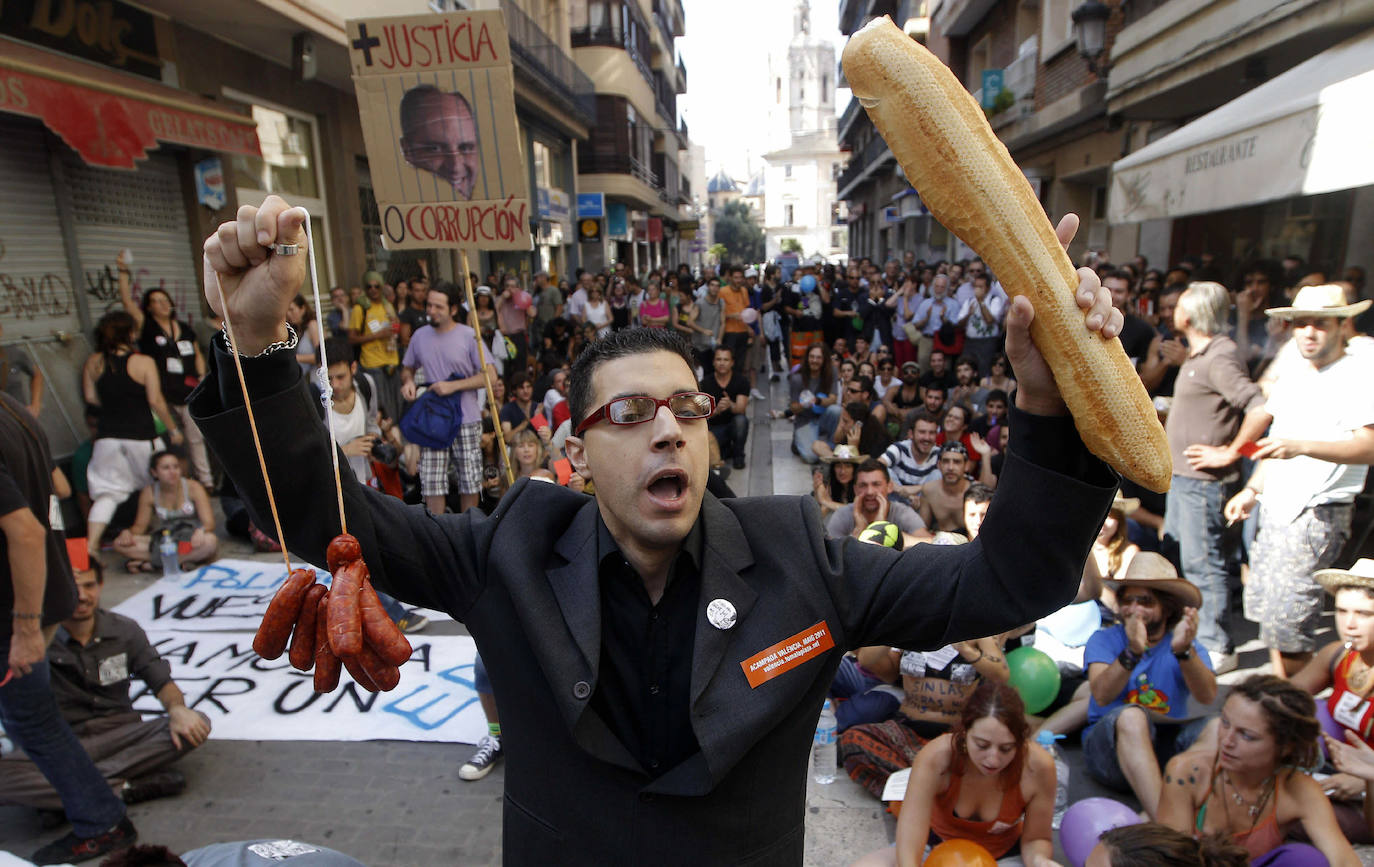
<point x="658" y="655"/>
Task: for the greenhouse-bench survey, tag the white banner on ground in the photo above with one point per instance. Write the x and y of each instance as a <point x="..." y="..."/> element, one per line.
<point x="250" y="699"/>
<point x="227" y="595"/>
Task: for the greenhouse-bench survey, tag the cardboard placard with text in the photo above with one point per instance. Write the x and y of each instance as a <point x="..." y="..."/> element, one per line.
<point x="436" y="94"/>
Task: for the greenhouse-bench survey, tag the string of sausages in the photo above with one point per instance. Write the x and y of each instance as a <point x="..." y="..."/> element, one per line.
<point x="328" y="628"/>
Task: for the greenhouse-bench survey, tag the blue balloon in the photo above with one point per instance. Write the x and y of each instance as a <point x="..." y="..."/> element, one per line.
<point x="808" y="283"/>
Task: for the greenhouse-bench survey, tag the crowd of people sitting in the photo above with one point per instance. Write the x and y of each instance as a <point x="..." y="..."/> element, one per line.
<point x="899" y="397"/>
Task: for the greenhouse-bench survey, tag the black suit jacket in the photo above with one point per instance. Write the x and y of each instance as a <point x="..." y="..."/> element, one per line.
<point x="525" y="582"/>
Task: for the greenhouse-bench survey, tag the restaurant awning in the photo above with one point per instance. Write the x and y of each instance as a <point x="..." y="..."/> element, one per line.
<point x="1307" y="131"/>
<point x="112" y="119"/>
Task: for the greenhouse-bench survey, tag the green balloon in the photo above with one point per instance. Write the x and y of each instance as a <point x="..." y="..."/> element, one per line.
<point x="1035" y="677"/>
<point x="858" y="322"/>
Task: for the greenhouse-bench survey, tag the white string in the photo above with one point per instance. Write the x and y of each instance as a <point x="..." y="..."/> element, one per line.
<point x="323" y="374"/>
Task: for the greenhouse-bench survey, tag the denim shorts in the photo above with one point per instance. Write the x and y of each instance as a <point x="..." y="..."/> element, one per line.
<point x="1099" y="744"/>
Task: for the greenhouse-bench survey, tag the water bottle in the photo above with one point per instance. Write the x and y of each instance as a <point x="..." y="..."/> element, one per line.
<point x="823" y="761"/>
<point x="1061" y="773"/>
<point x="167" y="549"/>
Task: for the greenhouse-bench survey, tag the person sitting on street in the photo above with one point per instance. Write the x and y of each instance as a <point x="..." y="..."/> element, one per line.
<point x="175" y="505"/>
<point x="915" y="460"/>
<point x="1141" y="673"/>
<point x="1251" y="787"/>
<point x="835" y="487"/>
<point x="983" y="781"/>
<point x="942" y="499"/>
<point x="1151" y="844"/>
<point x="92" y="658"/>
<point x="730" y="423"/>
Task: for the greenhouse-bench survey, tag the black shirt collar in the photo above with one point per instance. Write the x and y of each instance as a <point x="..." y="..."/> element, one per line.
<point x="608" y="552"/>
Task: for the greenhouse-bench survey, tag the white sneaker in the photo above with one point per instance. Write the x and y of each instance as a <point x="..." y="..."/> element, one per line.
<point x="487" y="755"/>
<point x="757" y="395"/>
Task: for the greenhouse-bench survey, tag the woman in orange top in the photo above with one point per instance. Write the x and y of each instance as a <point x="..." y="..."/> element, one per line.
<point x="984" y="781"/>
<point x="1251" y="788"/>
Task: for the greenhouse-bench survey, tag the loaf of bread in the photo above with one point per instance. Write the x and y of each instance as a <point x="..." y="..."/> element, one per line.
<point x="967" y="179"/>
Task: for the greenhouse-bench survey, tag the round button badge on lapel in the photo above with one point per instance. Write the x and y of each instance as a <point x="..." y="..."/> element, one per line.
<point x="582" y="689"/>
<point x="720" y="613"/>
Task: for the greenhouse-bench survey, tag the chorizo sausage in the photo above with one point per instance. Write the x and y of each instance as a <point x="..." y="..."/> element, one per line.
<point x="345" y="618"/>
<point x="326" y="663"/>
<point x="379" y="630"/>
<point x="344" y="548"/>
<point x="359" y="674"/>
<point x="383" y="674"/>
<point x="282" y="612"/>
<point x="302" y="653"/>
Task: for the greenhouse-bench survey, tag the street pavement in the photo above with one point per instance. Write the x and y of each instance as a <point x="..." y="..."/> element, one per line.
<point x="401" y="804"/>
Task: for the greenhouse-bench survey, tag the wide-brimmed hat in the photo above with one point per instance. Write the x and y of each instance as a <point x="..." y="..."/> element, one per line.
<point x="1155" y="572"/>
<point x="1124" y="505"/>
<point x="1359" y="575"/>
<point x="845" y="454"/>
<point x="1327" y="299"/>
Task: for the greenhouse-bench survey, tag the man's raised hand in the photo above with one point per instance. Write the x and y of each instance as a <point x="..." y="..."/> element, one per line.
<point x="258" y="284"/>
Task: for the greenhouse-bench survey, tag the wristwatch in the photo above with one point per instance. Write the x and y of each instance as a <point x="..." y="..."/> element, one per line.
<point x="1184" y="655"/>
<point x="1128" y="659"/>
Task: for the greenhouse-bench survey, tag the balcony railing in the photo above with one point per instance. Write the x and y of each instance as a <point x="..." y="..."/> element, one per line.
<point x="875" y="151"/>
<point x="548" y="64"/>
<point x="665" y="98"/>
<point x="851" y="112"/>
<point x="616" y="164"/>
<point x="681" y="76"/>
<point x="634" y="39"/>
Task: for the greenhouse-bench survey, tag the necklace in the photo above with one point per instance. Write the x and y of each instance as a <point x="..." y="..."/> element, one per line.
<point x="1255" y="808"/>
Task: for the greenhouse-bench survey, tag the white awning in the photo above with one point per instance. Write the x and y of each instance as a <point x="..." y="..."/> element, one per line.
<point x="1308" y="131"/>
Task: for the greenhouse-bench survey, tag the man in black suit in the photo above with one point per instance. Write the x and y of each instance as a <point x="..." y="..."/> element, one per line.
<point x="659" y="656"/>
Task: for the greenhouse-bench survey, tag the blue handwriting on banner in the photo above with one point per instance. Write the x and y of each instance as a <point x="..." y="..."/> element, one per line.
<point x="225" y="578"/>
<point x="414" y="715"/>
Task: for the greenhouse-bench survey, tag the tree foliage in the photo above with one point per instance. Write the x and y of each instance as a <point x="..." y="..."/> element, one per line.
<point x="718" y="252"/>
<point x="791" y="245"/>
<point x="738" y="231"/>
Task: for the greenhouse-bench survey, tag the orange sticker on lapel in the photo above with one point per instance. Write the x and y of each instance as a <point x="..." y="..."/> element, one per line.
<point x="787" y="654"/>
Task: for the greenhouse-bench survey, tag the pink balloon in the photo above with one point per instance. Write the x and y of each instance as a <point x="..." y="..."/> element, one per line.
<point x="749" y="316"/>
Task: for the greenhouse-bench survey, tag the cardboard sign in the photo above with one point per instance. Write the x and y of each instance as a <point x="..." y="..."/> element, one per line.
<point x="225" y="595"/>
<point x="250" y="699"/>
<point x="437" y="98"/>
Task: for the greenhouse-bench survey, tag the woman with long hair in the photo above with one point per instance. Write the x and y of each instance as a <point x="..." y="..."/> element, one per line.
<point x="173" y="347"/>
<point x="813" y="388"/>
<point x="173" y="504"/>
<point x="526" y="453"/>
<point x="1112" y="549"/>
<point x="621" y="308"/>
<point x="1252" y="786"/>
<point x="301" y="315"/>
<point x="983" y="781"/>
<point x="999" y="375"/>
<point x="126" y="386"/>
<point x="834" y="487"/>
<point x="1151" y="844"/>
<point x="597" y="312"/>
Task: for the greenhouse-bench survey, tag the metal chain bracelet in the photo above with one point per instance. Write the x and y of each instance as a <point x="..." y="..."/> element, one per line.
<point x="289" y="343"/>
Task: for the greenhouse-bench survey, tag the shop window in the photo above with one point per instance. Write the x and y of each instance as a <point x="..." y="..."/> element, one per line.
<point x="1056" y="26"/>
<point x="289" y="167"/>
<point x="788" y="215"/>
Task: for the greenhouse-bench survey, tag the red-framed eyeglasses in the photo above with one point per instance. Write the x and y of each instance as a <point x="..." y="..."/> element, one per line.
<point x="642" y="408"/>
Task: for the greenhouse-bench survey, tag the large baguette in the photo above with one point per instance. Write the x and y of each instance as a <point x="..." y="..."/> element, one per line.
<point x="967" y="179"/>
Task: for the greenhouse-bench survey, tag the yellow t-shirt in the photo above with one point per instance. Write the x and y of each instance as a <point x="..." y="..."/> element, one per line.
<point x="372" y="320"/>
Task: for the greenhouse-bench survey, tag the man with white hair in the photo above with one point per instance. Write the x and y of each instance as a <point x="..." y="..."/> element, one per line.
<point x="1311" y="465"/>
<point x="1212" y="393"/>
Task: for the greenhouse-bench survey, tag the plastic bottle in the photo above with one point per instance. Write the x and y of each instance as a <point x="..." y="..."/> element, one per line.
<point x="823" y="761"/>
<point x="1061" y="772"/>
<point x="167" y="549"/>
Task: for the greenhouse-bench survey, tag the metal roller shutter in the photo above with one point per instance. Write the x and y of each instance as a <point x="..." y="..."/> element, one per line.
<point x="37" y="304"/>
<point x="35" y="286"/>
<point x="145" y="211"/>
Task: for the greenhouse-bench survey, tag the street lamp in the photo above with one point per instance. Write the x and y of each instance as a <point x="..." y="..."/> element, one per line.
<point x="1090" y="31"/>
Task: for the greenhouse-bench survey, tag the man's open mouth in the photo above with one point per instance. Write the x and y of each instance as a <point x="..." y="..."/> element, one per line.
<point x="668" y="485"/>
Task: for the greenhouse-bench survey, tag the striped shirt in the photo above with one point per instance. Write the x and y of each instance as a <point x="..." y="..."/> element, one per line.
<point x="906" y="469"/>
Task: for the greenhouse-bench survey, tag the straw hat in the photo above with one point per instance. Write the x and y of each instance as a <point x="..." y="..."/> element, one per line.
<point x="1359" y="575"/>
<point x="845" y="454"/>
<point x="1325" y="300"/>
<point x="1124" y="505"/>
<point x="1155" y="572"/>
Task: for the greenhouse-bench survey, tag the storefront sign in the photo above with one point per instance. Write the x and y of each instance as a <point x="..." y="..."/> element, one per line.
<point x="687" y="229"/>
<point x="891" y="214"/>
<point x="210" y="183"/>
<point x="105" y="31"/>
<point x="992" y="86"/>
<point x="655" y="229"/>
<point x="591" y="204"/>
<point x="437" y="101"/>
<point x="116" y="129"/>
<point x="617" y="221"/>
<point x="589" y="230"/>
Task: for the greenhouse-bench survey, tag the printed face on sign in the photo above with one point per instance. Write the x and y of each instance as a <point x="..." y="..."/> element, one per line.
<point x="439" y="136"/>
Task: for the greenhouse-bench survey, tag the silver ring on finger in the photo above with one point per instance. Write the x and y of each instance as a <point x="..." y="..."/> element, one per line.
<point x="286" y="249"/>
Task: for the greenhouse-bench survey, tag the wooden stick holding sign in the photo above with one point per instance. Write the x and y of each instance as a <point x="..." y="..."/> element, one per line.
<point x="486" y="369"/>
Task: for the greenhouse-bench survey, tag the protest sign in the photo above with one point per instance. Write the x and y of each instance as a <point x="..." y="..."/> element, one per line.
<point x="250" y="699"/>
<point x="225" y="595"/>
<point x="437" y="98"/>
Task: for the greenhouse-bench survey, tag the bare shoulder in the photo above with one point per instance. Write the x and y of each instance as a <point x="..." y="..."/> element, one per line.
<point x="937" y="754"/>
<point x="1188" y="770"/>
